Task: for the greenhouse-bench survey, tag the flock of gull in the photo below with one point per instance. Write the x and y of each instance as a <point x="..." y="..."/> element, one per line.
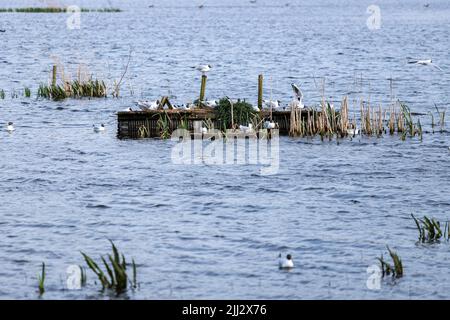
<point x="296" y="103"/>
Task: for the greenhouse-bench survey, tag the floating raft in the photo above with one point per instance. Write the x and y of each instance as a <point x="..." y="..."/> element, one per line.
<point x="131" y="124"/>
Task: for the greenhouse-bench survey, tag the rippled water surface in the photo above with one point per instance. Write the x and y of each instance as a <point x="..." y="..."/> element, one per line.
<point x="216" y="231"/>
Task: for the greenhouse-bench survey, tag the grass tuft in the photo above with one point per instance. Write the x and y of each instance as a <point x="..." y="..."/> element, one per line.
<point x="430" y="229"/>
<point x="115" y="276"/>
<point x="41" y="280"/>
<point x="396" y="270"/>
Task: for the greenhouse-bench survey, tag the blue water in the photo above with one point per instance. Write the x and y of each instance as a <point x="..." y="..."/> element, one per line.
<point x="216" y="231"/>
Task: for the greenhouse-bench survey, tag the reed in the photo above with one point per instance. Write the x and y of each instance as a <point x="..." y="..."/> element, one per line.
<point x="115" y="276"/>
<point x="54" y="10"/>
<point x="41" y="280"/>
<point x="27" y="92"/>
<point x="2" y="94"/>
<point x="83" y="276"/>
<point x="163" y="126"/>
<point x="75" y="89"/>
<point x="327" y="121"/>
<point x="430" y="229"/>
<point x="441" y="115"/>
<point x="396" y="270"/>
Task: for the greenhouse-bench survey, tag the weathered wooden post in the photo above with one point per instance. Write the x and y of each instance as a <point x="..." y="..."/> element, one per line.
<point x="54" y="75"/>
<point x="260" y="91"/>
<point x="232" y="112"/>
<point x="202" y="90"/>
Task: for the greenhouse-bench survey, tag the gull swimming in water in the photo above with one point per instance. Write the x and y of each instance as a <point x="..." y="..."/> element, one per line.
<point x="286" y="263"/>
<point x="425" y="62"/>
<point x="203" y="68"/>
<point x="99" y="128"/>
<point x="10" y="127"/>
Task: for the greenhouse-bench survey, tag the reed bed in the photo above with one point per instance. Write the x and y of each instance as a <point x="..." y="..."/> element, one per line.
<point x="116" y="276"/>
<point x="326" y="121"/>
<point x="75" y="89"/>
<point x="54" y="10"/>
<point x="395" y="269"/>
<point x="430" y="229"/>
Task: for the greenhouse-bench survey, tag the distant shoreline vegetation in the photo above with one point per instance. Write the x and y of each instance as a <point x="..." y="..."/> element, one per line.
<point x="55" y="10"/>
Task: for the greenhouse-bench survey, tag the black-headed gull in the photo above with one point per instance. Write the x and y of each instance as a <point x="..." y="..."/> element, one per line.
<point x="285" y="263"/>
<point x="99" y="128"/>
<point x="269" y="125"/>
<point x="203" y="68"/>
<point x="425" y="62"/>
<point x="10" y="127"/>
<point x="297" y="102"/>
<point x="274" y="104"/>
<point x="246" y="129"/>
<point x="148" y="105"/>
<point x="210" y="103"/>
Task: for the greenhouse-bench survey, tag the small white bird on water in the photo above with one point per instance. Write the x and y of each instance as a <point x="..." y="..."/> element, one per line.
<point x="203" y="68"/>
<point x="128" y="109"/>
<point x="99" y="128"/>
<point x="10" y="127"/>
<point x="425" y="62"/>
<point x="285" y="263"/>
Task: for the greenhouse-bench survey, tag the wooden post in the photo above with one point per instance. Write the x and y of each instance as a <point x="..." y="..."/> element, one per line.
<point x="54" y="76"/>
<point x="260" y="91"/>
<point x="202" y="90"/>
<point x="232" y="115"/>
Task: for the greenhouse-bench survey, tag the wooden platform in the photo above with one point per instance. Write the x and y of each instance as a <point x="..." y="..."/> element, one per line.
<point x="132" y="124"/>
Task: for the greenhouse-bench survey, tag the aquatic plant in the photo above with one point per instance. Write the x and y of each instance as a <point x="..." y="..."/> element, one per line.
<point x="41" y="280"/>
<point x="2" y="94"/>
<point x="243" y="112"/>
<point x="441" y="118"/>
<point x="144" y="130"/>
<point x="54" y="10"/>
<point x="83" y="276"/>
<point x="75" y="89"/>
<point x="27" y="92"/>
<point x="163" y="126"/>
<point x="327" y="121"/>
<point x="116" y="277"/>
<point x="387" y="269"/>
<point x="430" y="229"/>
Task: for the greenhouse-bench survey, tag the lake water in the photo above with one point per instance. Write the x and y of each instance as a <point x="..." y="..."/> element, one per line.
<point x="201" y="232"/>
